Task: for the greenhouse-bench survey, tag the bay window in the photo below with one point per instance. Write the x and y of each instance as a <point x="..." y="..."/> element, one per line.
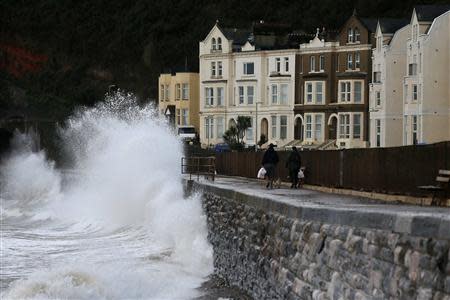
<point x="274" y="94"/>
<point x="209" y="96"/>
<point x="241" y="95"/>
<point x="185" y="91"/>
<point x="356" y="126"/>
<point x="283" y="94"/>
<point x="344" y="126"/>
<point x="274" y="126"/>
<point x="308" y="127"/>
<point x="283" y="127"/>
<point x="318" y="127"/>
<point x="250" y="94"/>
<point x="220" y="101"/>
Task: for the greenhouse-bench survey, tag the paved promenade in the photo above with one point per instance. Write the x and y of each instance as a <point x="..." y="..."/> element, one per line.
<point x="339" y="209"/>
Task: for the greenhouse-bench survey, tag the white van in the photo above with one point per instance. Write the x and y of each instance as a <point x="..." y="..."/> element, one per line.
<point x="187" y="133"/>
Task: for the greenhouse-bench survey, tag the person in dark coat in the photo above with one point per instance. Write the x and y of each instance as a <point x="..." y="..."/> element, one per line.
<point x="293" y="164"/>
<point x="269" y="162"/>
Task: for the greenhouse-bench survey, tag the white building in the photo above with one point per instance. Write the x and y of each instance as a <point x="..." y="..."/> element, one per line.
<point x="426" y="86"/>
<point x="386" y="89"/>
<point x="239" y="79"/>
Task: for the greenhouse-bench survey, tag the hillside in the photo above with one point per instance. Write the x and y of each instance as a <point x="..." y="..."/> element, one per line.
<point x="68" y="52"/>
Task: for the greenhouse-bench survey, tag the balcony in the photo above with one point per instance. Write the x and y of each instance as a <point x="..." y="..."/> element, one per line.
<point x="213" y="50"/>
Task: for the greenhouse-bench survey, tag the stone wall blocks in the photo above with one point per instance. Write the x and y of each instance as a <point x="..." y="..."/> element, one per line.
<point x="447" y="284"/>
<point x="424" y="294"/>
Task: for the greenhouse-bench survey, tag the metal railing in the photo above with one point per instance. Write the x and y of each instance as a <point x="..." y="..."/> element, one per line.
<point x="197" y="166"/>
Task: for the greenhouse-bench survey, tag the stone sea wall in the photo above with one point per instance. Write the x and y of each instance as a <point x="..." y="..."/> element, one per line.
<point x="276" y="251"/>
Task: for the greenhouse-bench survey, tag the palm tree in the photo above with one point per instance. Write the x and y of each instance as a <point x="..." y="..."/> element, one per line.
<point x="242" y="124"/>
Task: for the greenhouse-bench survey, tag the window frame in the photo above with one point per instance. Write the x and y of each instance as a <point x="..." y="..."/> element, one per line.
<point x="283" y="127"/>
<point x="185" y="91"/>
<point x="246" y="67"/>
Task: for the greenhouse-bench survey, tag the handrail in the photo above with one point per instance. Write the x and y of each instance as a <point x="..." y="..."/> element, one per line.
<point x="195" y="165"/>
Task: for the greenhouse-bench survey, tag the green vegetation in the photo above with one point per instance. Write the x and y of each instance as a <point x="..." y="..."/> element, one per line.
<point x="234" y="136"/>
<point x="92" y="44"/>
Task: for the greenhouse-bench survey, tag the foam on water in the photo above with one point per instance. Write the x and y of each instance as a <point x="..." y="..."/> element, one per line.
<point x="119" y="228"/>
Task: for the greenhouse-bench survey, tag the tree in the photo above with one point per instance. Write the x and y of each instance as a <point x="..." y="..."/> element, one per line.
<point x="242" y="124"/>
<point x="262" y="140"/>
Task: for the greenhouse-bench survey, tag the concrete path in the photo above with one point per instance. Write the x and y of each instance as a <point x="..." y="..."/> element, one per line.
<point x="309" y="198"/>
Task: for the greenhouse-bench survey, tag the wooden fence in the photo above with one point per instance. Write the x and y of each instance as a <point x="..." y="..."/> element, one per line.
<point x="396" y="170"/>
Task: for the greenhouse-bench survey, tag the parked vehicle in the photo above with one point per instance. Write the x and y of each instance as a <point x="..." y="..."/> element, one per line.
<point x="187" y="133"/>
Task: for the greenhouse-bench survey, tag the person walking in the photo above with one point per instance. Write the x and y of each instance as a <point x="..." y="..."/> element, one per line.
<point x="293" y="164"/>
<point x="269" y="162"/>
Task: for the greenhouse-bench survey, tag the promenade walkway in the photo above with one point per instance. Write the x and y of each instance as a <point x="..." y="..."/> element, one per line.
<point x="360" y="211"/>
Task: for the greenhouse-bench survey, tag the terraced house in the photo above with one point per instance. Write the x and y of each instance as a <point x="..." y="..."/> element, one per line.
<point x="426" y="84"/>
<point x="386" y="89"/>
<point x="333" y="71"/>
<point x="248" y="73"/>
<point x="179" y="98"/>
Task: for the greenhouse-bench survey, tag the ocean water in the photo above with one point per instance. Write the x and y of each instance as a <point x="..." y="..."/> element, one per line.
<point x="115" y="225"/>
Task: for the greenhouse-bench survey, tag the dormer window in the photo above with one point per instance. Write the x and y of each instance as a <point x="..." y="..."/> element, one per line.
<point x="357" y="35"/>
<point x="213" y="44"/>
<point x="350" y="35"/>
<point x="219" y="43"/>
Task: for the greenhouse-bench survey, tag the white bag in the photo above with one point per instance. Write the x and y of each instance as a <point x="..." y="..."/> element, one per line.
<point x="261" y="173"/>
<point x="301" y="175"/>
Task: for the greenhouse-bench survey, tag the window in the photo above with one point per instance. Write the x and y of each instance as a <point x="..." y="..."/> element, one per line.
<point x="184" y="116"/>
<point x="345" y="91"/>
<point x="357" y="60"/>
<point x="344" y="126"/>
<point x="412" y="69"/>
<point x="250" y="94"/>
<point x="167" y="92"/>
<point x="356" y="126"/>
<point x="241" y="95"/>
<point x="318" y="127"/>
<point x="284" y="94"/>
<point x="162" y="96"/>
<point x="178" y="116"/>
<point x="312" y="64"/>
<point x="357" y="89"/>
<point x="419" y="92"/>
<point x="283" y="127"/>
<point x="209" y="128"/>
<point x="220" y="127"/>
<point x="249" y="131"/>
<point x="249" y="68"/>
<point x="286" y="64"/>
<point x="420" y="62"/>
<point x="219" y="43"/>
<point x="322" y="63"/>
<point x="357" y="35"/>
<point x="308" y="127"/>
<point x="177" y="91"/>
<point x="406" y="93"/>
<point x="319" y="92"/>
<point x="213" y="69"/>
<point x="414" y="130"/>
<point x="213" y="44"/>
<point x="414" y="92"/>
<point x="278" y="64"/>
<point x="220" y="96"/>
<point x="309" y="93"/>
<point x="378" y="98"/>
<point x="185" y="91"/>
<point x="349" y="61"/>
<point x="274" y="94"/>
<point x="274" y="127"/>
<point x="350" y="35"/>
<point x="405" y="135"/>
<point x="219" y="68"/>
<point x="209" y="96"/>
<point x="378" y="132"/>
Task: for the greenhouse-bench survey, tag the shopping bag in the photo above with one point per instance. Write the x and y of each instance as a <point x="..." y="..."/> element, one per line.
<point x="261" y="173"/>
<point x="301" y="175"/>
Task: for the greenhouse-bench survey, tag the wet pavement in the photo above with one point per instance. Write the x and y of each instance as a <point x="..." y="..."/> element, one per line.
<point x="310" y="198"/>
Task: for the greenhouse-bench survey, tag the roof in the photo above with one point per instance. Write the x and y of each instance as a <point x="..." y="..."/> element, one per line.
<point x="428" y="13"/>
<point x="390" y="25"/>
<point x="370" y="23"/>
<point x="238" y="35"/>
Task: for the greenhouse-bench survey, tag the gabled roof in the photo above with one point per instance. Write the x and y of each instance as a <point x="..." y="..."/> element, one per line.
<point x="427" y="13"/>
<point x="390" y="25"/>
<point x="370" y="23"/>
<point x="237" y="35"/>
